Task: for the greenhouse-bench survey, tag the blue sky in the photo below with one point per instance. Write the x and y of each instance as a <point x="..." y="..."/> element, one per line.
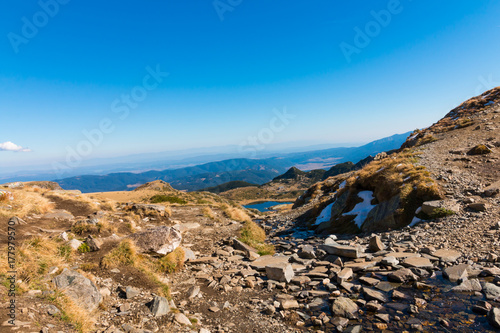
<point x="226" y="76"/>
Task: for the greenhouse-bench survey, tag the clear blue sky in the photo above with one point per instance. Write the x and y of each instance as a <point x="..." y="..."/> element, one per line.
<point x="226" y="76"/>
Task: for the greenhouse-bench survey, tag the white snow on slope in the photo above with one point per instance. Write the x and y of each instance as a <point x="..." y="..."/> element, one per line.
<point x="325" y="215"/>
<point x="363" y="208"/>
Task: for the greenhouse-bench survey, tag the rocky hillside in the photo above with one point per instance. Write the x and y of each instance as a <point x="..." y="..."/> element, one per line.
<point x="413" y="183"/>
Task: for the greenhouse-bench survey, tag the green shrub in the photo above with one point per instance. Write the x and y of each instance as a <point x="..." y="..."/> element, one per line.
<point x="441" y="212"/>
<point x="83" y="248"/>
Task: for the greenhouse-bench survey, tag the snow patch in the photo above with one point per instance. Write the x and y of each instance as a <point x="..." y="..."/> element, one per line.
<point x="342" y="185"/>
<point x="363" y="208"/>
<point x="325" y="215"/>
<point x="415" y="221"/>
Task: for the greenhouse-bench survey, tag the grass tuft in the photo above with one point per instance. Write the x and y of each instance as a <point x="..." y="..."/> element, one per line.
<point x="254" y="236"/>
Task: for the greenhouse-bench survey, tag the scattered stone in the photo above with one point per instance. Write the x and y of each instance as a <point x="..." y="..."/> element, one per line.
<point x="376" y="244"/>
<point x="182" y="319"/>
<point x="131" y="292"/>
<point x="193" y="291"/>
<point x="494" y="317"/>
<point x="344" y="275"/>
<point x="371" y="294"/>
<point x="80" y="289"/>
<point x="457" y="273"/>
<point x="159" y="306"/>
<point x="341" y="250"/>
<point x="344" y="307"/>
<point x="160" y="240"/>
<point x="468" y="286"/>
<point x="282" y="272"/>
<point x="94" y="244"/>
<point x="491" y="291"/>
<point x="446" y="255"/>
<point x="289" y="304"/>
<point x="418" y="262"/>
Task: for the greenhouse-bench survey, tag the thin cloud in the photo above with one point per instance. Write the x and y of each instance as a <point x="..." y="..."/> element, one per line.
<point x="10" y="146"/>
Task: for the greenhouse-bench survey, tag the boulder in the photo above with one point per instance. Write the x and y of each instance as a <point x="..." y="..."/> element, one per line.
<point x="94" y="244"/>
<point x="494" y="317"/>
<point x="468" y="286"/>
<point x="159" y="306"/>
<point x="263" y="261"/>
<point x="457" y="273"/>
<point x="74" y="244"/>
<point x="402" y="275"/>
<point x="344" y="275"/>
<point x="376" y="244"/>
<point x="342" y="250"/>
<point x="446" y="255"/>
<point x="147" y="210"/>
<point x="429" y="207"/>
<point x="418" y="262"/>
<point x="307" y="252"/>
<point x="282" y="272"/>
<point x="80" y="289"/>
<point x="161" y="240"/>
<point x="344" y="307"/>
<point x="491" y="291"/>
<point x="374" y="295"/>
<point x="381" y="217"/>
<point x="181" y="318"/>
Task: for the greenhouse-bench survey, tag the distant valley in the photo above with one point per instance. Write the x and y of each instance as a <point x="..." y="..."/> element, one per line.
<point x="255" y="171"/>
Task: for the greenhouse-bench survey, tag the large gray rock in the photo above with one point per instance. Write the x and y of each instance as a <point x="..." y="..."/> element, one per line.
<point x="263" y="261"/>
<point x="446" y="255"/>
<point x="381" y="217"/>
<point x="161" y="240"/>
<point x="374" y="295"/>
<point x="80" y="289"/>
<point x="148" y="209"/>
<point x="429" y="207"/>
<point x="491" y="291"/>
<point x="494" y="317"/>
<point x="457" y="273"/>
<point x="342" y="250"/>
<point x="344" y="307"/>
<point x="403" y="275"/>
<point x="94" y="244"/>
<point x="282" y="272"/>
<point x="159" y="306"/>
<point x="468" y="286"/>
<point x="307" y="252"/>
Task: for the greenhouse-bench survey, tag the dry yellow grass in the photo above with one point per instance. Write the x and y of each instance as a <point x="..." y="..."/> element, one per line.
<point x="172" y="262"/>
<point x="124" y="254"/>
<point x="25" y="203"/>
<point x="208" y="212"/>
<point x="235" y="213"/>
<point x="253" y="235"/>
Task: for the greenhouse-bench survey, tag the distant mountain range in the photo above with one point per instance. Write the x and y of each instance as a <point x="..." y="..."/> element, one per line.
<point x="256" y="171"/>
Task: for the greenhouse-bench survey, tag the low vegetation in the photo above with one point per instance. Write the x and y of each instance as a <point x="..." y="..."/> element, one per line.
<point x="235" y="213"/>
<point x="254" y="236"/>
<point x="25" y="202"/>
<point x="172" y="262"/>
<point x="479" y="150"/>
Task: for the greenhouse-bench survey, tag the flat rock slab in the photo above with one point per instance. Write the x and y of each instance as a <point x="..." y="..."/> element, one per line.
<point x="447" y="255"/>
<point x="282" y="272"/>
<point x="491" y="291"/>
<point x="344" y="307"/>
<point x="59" y="214"/>
<point x="342" y="250"/>
<point x="374" y="295"/>
<point x="203" y="260"/>
<point x="161" y="240"/>
<point x="360" y="266"/>
<point x="401" y="255"/>
<point x="262" y="262"/>
<point x="457" y="273"/>
<point x="418" y="262"/>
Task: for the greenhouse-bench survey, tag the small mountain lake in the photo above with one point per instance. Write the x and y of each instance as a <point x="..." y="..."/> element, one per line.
<point x="265" y="206"/>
